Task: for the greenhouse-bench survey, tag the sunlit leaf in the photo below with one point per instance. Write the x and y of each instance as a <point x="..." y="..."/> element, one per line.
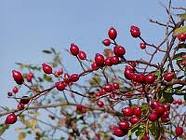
<point x="179" y="30"/>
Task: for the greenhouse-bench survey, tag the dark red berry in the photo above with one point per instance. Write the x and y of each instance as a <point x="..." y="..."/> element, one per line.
<point x="134" y="120"/>
<point x="15" y="90"/>
<point x="119" y="51"/>
<point x="168" y="76"/>
<point x="160" y="110"/>
<point x="155" y="104"/>
<point x="94" y="66"/>
<point x="29" y="76"/>
<point x="47" y="68"/>
<point x="153" y="116"/>
<point x="135" y="31"/>
<point x="128" y="74"/>
<point x="114" y="60"/>
<point x="20" y="106"/>
<point x="100" y="103"/>
<point x="74" y="77"/>
<point x="145" y="137"/>
<point x="74" y="49"/>
<point x="123" y="125"/>
<point x="58" y="73"/>
<point x="108" y="61"/>
<point x="137" y="111"/>
<point x="117" y="131"/>
<point x="115" y="85"/>
<point x="60" y="85"/>
<point x="82" y="55"/>
<point x="150" y="78"/>
<point x="108" y="88"/>
<point x="17" y="77"/>
<point x="10" y="94"/>
<point x="142" y="45"/>
<point x="112" y="33"/>
<point x="106" y="42"/>
<point x="81" y="108"/>
<point x="179" y="131"/>
<point x="11" y="119"/>
<point x="127" y="111"/>
<point x="182" y="37"/>
<point x="99" y="59"/>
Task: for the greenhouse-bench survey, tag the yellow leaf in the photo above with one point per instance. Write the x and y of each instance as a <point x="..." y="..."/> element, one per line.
<point x="21" y="136"/>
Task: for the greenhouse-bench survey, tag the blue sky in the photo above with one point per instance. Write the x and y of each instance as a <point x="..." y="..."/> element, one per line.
<point x="29" y="26"/>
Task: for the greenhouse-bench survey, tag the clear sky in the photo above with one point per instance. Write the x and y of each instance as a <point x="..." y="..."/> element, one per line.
<point x="29" y="26"/>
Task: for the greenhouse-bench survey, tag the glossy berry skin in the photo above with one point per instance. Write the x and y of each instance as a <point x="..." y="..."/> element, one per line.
<point x="47" y="68"/>
<point x="137" y="111"/>
<point x="106" y="42"/>
<point x="74" y="49"/>
<point x="179" y="131"/>
<point x="127" y="111"/>
<point x="134" y="120"/>
<point x="135" y="31"/>
<point x="142" y="45"/>
<point x="155" y="104"/>
<point x="108" y="61"/>
<point x="100" y="103"/>
<point x="112" y="33"/>
<point x="29" y="76"/>
<point x="123" y="125"/>
<point x="128" y="74"/>
<point x="15" y="90"/>
<point x="82" y="55"/>
<point x="11" y="119"/>
<point x="99" y="60"/>
<point x="182" y="37"/>
<point x="115" y="85"/>
<point x="114" y="60"/>
<point x="94" y="66"/>
<point x="119" y="51"/>
<point x="168" y="76"/>
<point x="150" y="78"/>
<point x="81" y="108"/>
<point x="17" y="77"/>
<point x="153" y="117"/>
<point x="60" y="85"/>
<point x="160" y="110"/>
<point x="108" y="88"/>
<point x="117" y="131"/>
<point x="10" y="94"/>
<point x="74" y="77"/>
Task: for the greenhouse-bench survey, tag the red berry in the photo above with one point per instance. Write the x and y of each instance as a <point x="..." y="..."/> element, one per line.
<point x="142" y="45"/>
<point x="17" y="77"/>
<point x="47" y="68"/>
<point x="74" y="77"/>
<point x="20" y="106"/>
<point x="81" y="108"/>
<point x="168" y="76"/>
<point x="94" y="66"/>
<point x="58" y="73"/>
<point x="179" y="131"/>
<point x="119" y="51"/>
<point x="137" y="111"/>
<point x="9" y="93"/>
<point x="182" y="37"/>
<point x="60" y="85"/>
<point x="150" y="78"/>
<point x="11" y="119"/>
<point x="153" y="116"/>
<point x="99" y="59"/>
<point x="179" y="102"/>
<point x="114" y="60"/>
<point x="108" y="61"/>
<point x="100" y="103"/>
<point x="24" y="100"/>
<point x="119" y="132"/>
<point x="128" y="74"/>
<point x="108" y="88"/>
<point x="74" y="49"/>
<point x="135" y="31"/>
<point x="112" y="33"/>
<point x="82" y="55"/>
<point x="160" y="110"/>
<point x="15" y="90"/>
<point x="134" y="120"/>
<point x="123" y="125"/>
<point x="155" y="104"/>
<point x="115" y="85"/>
<point x="145" y="137"/>
<point x="29" y="76"/>
<point x="127" y="111"/>
<point x="106" y="42"/>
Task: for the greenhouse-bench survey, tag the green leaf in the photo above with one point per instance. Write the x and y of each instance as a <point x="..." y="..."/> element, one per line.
<point x="47" y="78"/>
<point x="179" y="30"/>
<point x="3" y="128"/>
<point x="167" y="97"/>
<point x="182" y="16"/>
<point x="95" y="81"/>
